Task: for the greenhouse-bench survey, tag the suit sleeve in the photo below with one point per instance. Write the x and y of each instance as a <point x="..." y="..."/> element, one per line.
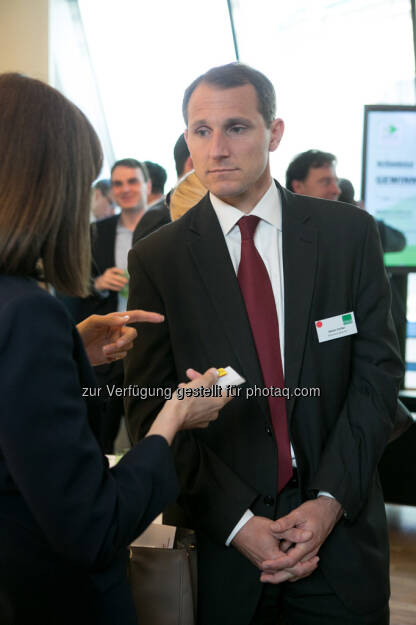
<point x="86" y="511"/>
<point x="213" y="496"/>
<point x="350" y="457"/>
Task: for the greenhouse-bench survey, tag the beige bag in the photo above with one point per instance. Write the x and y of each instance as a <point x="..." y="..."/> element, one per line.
<point x="164" y="581"/>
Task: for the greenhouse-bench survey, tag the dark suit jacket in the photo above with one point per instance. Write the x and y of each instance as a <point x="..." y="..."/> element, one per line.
<point x="65" y="518"/>
<point x="332" y="265"/>
<point x="153" y="219"/>
<point x="103" y="238"/>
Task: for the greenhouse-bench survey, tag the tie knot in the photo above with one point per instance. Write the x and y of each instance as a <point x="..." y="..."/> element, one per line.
<point x="248" y="226"/>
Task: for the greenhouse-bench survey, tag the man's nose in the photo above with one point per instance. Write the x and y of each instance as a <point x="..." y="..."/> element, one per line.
<point x="218" y="145"/>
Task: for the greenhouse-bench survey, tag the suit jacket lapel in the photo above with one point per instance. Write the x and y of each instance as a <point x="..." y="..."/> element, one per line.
<point x="211" y="257"/>
<point x="300" y="251"/>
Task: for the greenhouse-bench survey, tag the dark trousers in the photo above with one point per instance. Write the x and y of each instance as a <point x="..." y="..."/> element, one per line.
<point x="308" y="601"/>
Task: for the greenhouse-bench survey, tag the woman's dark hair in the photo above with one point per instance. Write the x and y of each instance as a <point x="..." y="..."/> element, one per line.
<point x="50" y="157"/>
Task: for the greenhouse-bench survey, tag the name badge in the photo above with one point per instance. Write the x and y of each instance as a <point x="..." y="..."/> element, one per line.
<point x="336" y="327"/>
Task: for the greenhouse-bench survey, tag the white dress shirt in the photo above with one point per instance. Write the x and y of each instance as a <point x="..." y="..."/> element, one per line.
<point x="268" y="242"/>
<point x="122" y="246"/>
<point x="267" y="239"/>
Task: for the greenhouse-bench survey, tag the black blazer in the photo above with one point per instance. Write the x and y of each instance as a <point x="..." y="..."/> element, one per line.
<point x="332" y="265"/>
<point x="153" y="219"/>
<point x="65" y="518"/>
<point x="103" y="239"/>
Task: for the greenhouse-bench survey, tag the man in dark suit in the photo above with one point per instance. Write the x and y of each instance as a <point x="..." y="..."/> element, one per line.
<point x="158" y="177"/>
<point x="265" y="281"/>
<point x="111" y="241"/>
<point x="313" y="173"/>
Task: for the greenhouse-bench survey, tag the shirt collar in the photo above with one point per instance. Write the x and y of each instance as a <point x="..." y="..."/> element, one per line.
<point x="268" y="209"/>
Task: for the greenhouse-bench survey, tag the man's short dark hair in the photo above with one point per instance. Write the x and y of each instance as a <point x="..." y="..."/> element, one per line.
<point x="180" y="154"/>
<point x="302" y="163"/>
<point x="133" y="164"/>
<point x="158" y="176"/>
<point x="237" y="75"/>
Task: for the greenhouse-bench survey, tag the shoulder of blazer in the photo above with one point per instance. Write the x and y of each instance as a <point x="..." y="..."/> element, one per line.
<point x="196" y="219"/>
<point x="152" y="220"/>
<point x="319" y="213"/>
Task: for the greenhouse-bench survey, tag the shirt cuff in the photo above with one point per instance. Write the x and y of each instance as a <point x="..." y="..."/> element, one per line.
<point x="323" y="493"/>
<point x="246" y="517"/>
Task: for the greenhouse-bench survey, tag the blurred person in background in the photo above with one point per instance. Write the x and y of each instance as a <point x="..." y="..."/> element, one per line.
<point x="111" y="240"/>
<point x="102" y="203"/>
<point x="158" y="177"/>
<point x="313" y="173"/>
<point x="392" y="240"/>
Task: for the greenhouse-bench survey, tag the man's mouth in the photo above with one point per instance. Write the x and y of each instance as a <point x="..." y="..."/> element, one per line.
<point x="222" y="170"/>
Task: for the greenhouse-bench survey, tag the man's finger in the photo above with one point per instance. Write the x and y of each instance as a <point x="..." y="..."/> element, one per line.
<point x="289" y="559"/>
<point x="285" y="523"/>
<point x="116" y="270"/>
<point x="275" y="578"/>
<point x="294" y="535"/>
<point x="285" y="545"/>
<point x="302" y="569"/>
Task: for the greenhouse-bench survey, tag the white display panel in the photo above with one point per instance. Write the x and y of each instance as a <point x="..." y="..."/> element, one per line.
<point x="389" y="174"/>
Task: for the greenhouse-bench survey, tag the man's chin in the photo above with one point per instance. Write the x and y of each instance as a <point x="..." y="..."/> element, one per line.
<point x="224" y="192"/>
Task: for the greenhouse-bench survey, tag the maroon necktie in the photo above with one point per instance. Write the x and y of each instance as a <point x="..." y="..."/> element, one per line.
<point x="261" y="309"/>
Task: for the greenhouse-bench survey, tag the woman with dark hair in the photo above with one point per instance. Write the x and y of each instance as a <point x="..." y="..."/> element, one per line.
<point x="65" y="517"/>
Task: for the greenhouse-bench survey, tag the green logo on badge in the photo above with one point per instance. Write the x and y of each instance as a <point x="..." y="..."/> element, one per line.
<point x="346" y="319"/>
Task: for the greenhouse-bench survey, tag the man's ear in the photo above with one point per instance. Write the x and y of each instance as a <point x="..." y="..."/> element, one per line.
<point x="276" y="133"/>
<point x="188" y="165"/>
<point x="297" y="186"/>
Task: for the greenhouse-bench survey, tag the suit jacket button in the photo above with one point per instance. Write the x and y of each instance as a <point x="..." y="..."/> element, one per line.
<point x="269" y="501"/>
<point x="269" y="430"/>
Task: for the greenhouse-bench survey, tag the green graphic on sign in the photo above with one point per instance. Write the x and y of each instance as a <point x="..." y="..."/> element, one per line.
<point x="347" y="319"/>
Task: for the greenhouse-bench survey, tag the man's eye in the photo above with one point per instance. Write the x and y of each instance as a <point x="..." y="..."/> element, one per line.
<point x="236" y="130"/>
<point x="202" y="132"/>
